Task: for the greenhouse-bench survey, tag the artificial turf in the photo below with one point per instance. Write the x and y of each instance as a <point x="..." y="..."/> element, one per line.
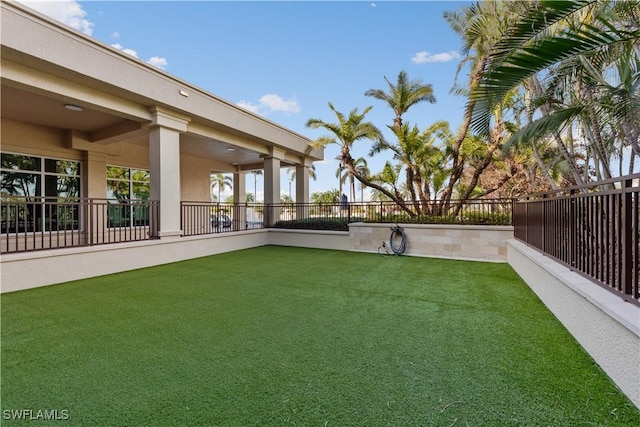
<point x="288" y="336"/>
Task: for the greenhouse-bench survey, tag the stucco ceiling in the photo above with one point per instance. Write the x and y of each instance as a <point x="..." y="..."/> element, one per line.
<point x="29" y="107"/>
<point x="37" y="109"/>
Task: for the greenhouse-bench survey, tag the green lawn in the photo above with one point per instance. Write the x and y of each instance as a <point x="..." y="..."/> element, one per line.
<point x="286" y="336"/>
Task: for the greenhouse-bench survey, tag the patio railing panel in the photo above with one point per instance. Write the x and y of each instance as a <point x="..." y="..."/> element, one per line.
<point x="199" y="218"/>
<point x="38" y="223"/>
<point x="331" y="215"/>
<point x="593" y="229"/>
<point x="209" y="217"/>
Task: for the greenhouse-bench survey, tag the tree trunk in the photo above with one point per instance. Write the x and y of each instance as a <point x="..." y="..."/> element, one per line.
<point x="543" y="167"/>
<point x="481" y="168"/>
<point x="458" y="163"/>
<point x="541" y="164"/>
<point x="347" y="161"/>
<point x="546" y="109"/>
<point x="412" y="191"/>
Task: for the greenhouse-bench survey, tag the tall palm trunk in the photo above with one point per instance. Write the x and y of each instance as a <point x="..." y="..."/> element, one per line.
<point x="347" y="161"/>
<point x="458" y="161"/>
<point x="412" y="191"/>
<point x="495" y="143"/>
<point x="546" y="109"/>
<point x="536" y="154"/>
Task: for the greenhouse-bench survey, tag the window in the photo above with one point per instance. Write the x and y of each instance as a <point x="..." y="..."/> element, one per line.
<point x="39" y="193"/>
<point x="127" y="191"/>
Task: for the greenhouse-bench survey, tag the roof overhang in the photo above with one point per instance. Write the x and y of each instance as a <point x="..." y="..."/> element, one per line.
<point x="46" y="65"/>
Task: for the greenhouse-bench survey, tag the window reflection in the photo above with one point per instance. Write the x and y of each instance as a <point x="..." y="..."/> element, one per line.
<point x="28" y="181"/>
<point x="127" y="187"/>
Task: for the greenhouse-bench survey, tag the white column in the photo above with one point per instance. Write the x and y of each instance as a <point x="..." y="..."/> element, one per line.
<point x="302" y="190"/>
<point x="272" y="185"/>
<point x="302" y="182"/>
<point x="239" y="200"/>
<point x="94" y="181"/>
<point x="164" y="159"/>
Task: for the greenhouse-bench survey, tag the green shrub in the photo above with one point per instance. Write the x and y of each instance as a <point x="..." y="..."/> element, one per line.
<point x="480" y="218"/>
<point x="332" y="224"/>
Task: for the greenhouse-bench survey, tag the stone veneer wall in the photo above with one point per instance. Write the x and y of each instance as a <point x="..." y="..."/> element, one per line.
<point x="470" y="242"/>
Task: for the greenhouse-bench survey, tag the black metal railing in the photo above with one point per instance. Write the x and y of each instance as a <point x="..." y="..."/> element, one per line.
<point x="337" y="216"/>
<point x="205" y="218"/>
<point x="38" y="223"/>
<point x="199" y="218"/>
<point x="593" y="229"/>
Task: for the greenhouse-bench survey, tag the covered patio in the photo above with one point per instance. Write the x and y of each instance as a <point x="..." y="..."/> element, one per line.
<point x="74" y="110"/>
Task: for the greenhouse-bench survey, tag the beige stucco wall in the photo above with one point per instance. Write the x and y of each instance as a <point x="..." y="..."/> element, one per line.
<point x="335" y="240"/>
<point x="470" y="242"/>
<point x="34" y="269"/>
<point x="607" y="327"/>
<point x="23" y="138"/>
<point x="19" y="271"/>
<point x="195" y="175"/>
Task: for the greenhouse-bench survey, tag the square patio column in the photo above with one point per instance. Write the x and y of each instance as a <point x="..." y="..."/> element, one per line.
<point x="164" y="159"/>
<point x="239" y="201"/>
<point x="272" y="186"/>
<point x="302" y="182"/>
<point x="302" y="190"/>
<point x="94" y="180"/>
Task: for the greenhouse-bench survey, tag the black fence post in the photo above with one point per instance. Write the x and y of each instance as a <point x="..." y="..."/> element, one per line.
<point x="572" y="229"/>
<point x="626" y="263"/>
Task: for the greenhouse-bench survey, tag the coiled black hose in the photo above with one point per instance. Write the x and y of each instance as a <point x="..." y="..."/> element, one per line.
<point x="397" y="242"/>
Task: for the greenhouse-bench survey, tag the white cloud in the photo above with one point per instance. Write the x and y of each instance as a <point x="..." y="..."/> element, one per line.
<point x="275" y="103"/>
<point x="68" y="12"/>
<point x="156" y="61"/>
<point x="249" y="106"/>
<point x="422" y="57"/>
<point x="373" y="5"/>
<point x="125" y="50"/>
<point x="270" y="103"/>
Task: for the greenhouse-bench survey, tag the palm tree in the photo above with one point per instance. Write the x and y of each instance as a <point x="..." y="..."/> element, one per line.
<point x="341" y="174"/>
<point x="389" y="177"/>
<point x="345" y="133"/>
<point x="291" y="171"/>
<point x="404" y="94"/>
<point x="541" y="38"/>
<point x="480" y="25"/>
<point x="587" y="51"/>
<point x="220" y="181"/>
<point x="361" y="169"/>
<point x="255" y="174"/>
<point x="431" y="160"/>
<point x="405" y="151"/>
<point x="344" y="174"/>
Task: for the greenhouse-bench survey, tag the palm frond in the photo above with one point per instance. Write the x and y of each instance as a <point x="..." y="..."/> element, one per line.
<point x="543" y="126"/>
<point x="535" y="23"/>
<point x="529" y="60"/>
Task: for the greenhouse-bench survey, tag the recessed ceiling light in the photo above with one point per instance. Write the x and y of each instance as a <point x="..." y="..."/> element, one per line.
<point x="231" y="149"/>
<point x="73" y="107"/>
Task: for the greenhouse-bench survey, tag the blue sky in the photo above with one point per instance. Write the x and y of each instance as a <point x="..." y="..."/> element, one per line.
<point x="286" y="60"/>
